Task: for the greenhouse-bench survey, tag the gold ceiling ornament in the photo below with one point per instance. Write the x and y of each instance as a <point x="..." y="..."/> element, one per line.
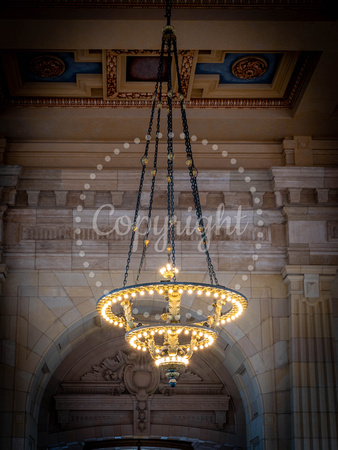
<point x="47" y="66"/>
<point x="172" y="341"/>
<point x="249" y="67"/>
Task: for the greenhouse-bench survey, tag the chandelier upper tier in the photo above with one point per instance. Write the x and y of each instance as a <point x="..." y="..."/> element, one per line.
<point x="170" y="342"/>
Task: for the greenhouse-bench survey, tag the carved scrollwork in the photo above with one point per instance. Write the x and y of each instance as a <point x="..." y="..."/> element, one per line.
<point x="249" y="67"/>
<point x="47" y="66"/>
<point x="110" y="369"/>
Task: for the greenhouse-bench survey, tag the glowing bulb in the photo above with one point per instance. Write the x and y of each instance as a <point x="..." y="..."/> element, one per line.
<point x="200" y="333"/>
<point x="125" y="296"/>
<point x="151" y="292"/>
<point x="168" y="266"/>
<point x="195" y="348"/>
<point x="120" y="324"/>
<point x="194" y="333"/>
<point x="152" y="332"/>
<point x="228" y="319"/>
<point x="161" y="291"/>
<point x="222" y="321"/>
<point x="139" y="335"/>
<point x="186" y="332"/>
<point x="119" y="298"/>
<point x="145" y="334"/>
<point x="115" y="323"/>
<point x="144" y="349"/>
<point x="189" y="291"/>
<point x="170" y="291"/>
<point x="208" y="293"/>
<point x="114" y="300"/>
<point x="142" y="292"/>
<point x="199" y="292"/>
<point x="215" y="295"/>
<point x="133" y="294"/>
<point x="223" y="296"/>
<point x="180" y="291"/>
<point x="138" y="347"/>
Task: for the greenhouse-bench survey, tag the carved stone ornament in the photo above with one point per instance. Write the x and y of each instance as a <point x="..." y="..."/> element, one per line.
<point x="249" y="67"/>
<point x="47" y="66"/>
<point x="141" y="375"/>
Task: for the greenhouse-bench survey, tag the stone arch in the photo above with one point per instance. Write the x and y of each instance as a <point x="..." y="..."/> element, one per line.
<point x="227" y="361"/>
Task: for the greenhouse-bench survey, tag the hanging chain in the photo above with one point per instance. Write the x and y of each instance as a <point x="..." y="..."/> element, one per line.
<point x="193" y="174"/>
<point x="144" y="161"/>
<point x="154" y="170"/>
<point x="170" y="163"/>
<point x="169" y="40"/>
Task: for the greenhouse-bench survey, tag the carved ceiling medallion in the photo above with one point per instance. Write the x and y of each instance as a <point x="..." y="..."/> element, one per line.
<point x="47" y="66"/>
<point x="249" y="67"/>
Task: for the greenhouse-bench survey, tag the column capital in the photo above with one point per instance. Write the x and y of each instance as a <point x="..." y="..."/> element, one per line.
<point x="309" y="284"/>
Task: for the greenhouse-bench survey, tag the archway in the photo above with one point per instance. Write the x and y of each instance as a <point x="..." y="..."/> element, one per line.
<point x="101" y="392"/>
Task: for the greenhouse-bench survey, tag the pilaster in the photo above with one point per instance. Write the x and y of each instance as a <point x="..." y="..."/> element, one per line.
<point x="312" y="364"/>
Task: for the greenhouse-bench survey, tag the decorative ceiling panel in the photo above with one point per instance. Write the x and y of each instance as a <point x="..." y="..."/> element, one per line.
<point x="125" y="78"/>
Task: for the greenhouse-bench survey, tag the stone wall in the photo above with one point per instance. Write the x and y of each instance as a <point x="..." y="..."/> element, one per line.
<point x="273" y="235"/>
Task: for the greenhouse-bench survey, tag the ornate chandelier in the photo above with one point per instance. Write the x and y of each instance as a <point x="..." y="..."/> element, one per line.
<point x="172" y="342"/>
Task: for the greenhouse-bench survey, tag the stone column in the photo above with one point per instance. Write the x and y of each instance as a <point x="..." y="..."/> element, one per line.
<point x="312" y="364"/>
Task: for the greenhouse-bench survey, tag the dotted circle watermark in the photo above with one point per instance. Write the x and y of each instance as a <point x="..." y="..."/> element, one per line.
<point x="214" y="147"/>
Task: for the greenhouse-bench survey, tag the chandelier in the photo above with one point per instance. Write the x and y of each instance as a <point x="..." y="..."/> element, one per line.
<point x="172" y="342"/>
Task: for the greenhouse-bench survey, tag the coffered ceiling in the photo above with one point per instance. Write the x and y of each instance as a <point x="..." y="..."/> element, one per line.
<point x="253" y="71"/>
